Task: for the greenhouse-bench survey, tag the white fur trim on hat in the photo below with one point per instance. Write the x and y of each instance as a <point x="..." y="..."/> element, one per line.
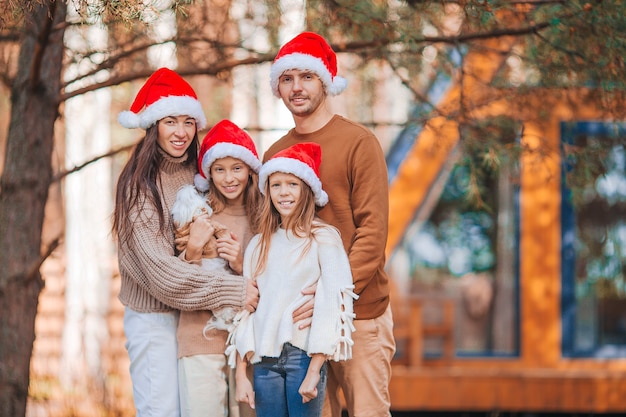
<point x="164" y="107"/>
<point x="226" y="149"/>
<point x="305" y="62"/>
<point x="297" y="168"/>
<point x="128" y="119"/>
<point x="201" y="183"/>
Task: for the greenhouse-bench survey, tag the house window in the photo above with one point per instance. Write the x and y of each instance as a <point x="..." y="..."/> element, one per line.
<point x="594" y="239"/>
<point x="456" y="251"/>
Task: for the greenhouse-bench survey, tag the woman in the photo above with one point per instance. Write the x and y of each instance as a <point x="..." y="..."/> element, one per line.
<point x="155" y="283"/>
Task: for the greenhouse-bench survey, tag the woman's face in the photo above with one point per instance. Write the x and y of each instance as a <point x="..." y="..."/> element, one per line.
<point x="285" y="191"/>
<point x="176" y="134"/>
<point x="230" y="177"/>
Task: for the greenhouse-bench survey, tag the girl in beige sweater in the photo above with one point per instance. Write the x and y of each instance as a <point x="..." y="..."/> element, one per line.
<point x="228" y="173"/>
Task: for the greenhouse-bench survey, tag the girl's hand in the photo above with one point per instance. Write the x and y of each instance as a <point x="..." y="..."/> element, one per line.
<point x="244" y="392"/>
<point x="308" y="388"/>
<point x="200" y="232"/>
<point x="229" y="248"/>
<point x="252" y="296"/>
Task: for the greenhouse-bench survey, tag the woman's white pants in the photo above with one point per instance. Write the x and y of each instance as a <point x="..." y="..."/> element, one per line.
<point x="152" y="349"/>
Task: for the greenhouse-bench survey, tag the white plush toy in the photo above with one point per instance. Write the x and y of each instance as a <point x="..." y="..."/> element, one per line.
<point x="190" y="204"/>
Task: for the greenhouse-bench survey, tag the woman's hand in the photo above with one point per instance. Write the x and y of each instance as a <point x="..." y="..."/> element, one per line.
<point x="200" y="232"/>
<point x="229" y="248"/>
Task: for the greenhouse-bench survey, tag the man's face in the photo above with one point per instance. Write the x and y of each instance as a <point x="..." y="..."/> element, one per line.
<point x="301" y="91"/>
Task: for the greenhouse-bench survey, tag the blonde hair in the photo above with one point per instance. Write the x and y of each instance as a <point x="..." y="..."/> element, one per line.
<point x="299" y="222"/>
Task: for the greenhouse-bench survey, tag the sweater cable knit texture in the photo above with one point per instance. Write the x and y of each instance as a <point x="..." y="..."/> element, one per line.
<point x="153" y="278"/>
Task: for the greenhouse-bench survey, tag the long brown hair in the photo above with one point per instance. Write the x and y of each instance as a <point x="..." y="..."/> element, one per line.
<point x="299" y="222"/>
<point x="252" y="200"/>
<point x="137" y="183"/>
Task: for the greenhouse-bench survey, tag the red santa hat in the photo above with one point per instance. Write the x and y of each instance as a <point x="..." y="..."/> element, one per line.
<point x="302" y="160"/>
<point x="308" y="52"/>
<point x="223" y="140"/>
<point x="164" y="94"/>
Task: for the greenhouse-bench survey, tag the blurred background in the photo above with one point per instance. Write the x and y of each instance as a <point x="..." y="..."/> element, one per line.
<point x="504" y="129"/>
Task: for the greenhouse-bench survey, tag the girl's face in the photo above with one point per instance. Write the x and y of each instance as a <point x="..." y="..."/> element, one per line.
<point x="285" y="191"/>
<point x="176" y="134"/>
<point x="230" y="177"/>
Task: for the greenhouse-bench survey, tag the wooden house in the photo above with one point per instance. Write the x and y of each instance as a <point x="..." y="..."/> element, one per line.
<point x="519" y="306"/>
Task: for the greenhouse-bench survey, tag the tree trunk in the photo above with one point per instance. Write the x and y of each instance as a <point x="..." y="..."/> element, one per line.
<point x="23" y="194"/>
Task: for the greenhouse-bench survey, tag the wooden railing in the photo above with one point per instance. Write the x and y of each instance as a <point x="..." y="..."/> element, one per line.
<point x="411" y="329"/>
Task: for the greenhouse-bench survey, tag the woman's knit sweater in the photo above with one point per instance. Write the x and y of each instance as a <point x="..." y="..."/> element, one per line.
<point x="287" y="272"/>
<point x="191" y="340"/>
<point x="154" y="279"/>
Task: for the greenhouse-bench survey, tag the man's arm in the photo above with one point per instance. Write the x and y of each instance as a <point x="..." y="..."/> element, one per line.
<point x="370" y="211"/>
<point x="304" y="313"/>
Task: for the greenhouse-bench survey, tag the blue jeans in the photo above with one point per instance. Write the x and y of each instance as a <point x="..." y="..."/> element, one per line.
<point x="276" y="384"/>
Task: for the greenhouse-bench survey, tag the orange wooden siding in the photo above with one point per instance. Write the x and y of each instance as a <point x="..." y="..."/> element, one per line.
<point x="539" y="379"/>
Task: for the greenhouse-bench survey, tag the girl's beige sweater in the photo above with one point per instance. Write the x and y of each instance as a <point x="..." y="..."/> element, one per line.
<point x="154" y="279"/>
<point x="191" y="341"/>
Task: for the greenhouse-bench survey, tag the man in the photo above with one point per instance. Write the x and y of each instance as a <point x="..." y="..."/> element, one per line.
<point x="354" y="174"/>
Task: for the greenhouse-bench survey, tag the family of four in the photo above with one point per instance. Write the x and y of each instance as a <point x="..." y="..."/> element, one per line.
<point x="273" y="267"/>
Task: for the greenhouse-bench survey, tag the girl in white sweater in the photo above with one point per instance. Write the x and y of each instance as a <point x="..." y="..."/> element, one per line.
<point x="293" y="250"/>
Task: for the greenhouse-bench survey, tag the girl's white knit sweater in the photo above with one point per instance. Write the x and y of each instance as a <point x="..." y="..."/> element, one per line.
<point x="289" y="270"/>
